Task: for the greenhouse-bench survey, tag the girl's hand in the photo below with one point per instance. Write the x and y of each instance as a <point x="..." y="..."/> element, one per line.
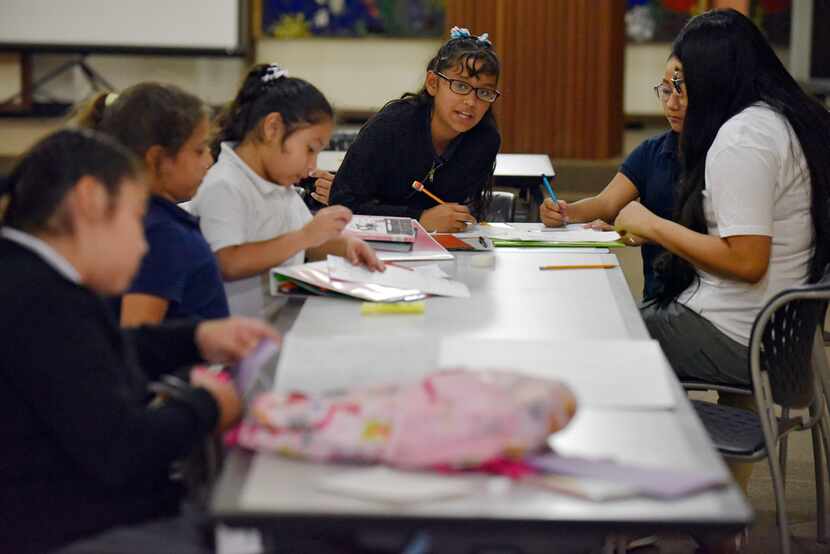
<point x="224" y="341"/>
<point x="635" y="219"/>
<point x="446" y="218"/>
<point x="326" y="225"/>
<point x="553" y="214"/>
<point x="360" y="253"/>
<point x="599" y="225"/>
<point x="322" y="186"/>
<point x="223" y="392"/>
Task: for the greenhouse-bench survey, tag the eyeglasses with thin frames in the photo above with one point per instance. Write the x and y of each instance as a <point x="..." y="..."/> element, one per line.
<point x="464" y="88"/>
<point x="664" y="93"/>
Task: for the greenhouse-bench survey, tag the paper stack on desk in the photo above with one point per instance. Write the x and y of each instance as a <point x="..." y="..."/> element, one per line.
<point x="336" y="276"/>
<point x="573" y="235"/>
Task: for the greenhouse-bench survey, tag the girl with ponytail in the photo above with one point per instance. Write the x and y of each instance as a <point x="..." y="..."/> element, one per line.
<point x="250" y="213"/>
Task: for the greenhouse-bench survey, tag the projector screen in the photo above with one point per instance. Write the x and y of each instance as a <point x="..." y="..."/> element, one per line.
<point x="207" y="27"/>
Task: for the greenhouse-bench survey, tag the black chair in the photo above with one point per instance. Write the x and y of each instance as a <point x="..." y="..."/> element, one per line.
<point x="788" y="367"/>
<point x="502" y="206"/>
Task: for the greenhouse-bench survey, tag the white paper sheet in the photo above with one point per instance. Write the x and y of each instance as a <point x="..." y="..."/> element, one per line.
<point x="397" y="277"/>
<point x="383" y="484"/>
<point x="607" y="373"/>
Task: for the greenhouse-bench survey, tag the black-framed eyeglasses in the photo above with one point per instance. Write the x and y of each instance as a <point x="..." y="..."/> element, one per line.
<point x="464" y="88"/>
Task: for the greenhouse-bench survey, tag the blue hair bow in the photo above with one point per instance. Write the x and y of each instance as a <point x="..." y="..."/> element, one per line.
<point x="463" y="32"/>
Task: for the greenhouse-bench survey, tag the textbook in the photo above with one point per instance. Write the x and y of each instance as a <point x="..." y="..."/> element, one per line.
<point x="384" y="233"/>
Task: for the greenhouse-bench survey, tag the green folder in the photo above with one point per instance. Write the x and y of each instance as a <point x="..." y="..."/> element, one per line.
<point x="499" y="243"/>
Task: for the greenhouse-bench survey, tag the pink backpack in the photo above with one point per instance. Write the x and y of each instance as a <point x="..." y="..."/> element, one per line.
<point x="454" y="418"/>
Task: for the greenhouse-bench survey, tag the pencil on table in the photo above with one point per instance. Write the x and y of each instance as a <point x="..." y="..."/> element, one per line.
<point x="578" y="266"/>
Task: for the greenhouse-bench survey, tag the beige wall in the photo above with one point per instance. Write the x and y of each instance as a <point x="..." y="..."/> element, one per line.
<point x="355" y="74"/>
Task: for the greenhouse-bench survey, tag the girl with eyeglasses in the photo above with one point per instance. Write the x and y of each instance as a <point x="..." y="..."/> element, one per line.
<point x="445" y="136"/>
<point x="649" y="174"/>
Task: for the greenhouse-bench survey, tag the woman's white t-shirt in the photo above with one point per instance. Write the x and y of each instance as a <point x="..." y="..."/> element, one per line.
<point x="237" y="206"/>
<point x="757" y="183"/>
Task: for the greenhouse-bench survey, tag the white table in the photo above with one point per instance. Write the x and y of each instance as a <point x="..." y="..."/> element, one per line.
<point x="511" y="299"/>
<point x="507" y="165"/>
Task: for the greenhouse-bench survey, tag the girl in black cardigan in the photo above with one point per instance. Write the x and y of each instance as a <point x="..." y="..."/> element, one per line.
<point x="445" y="137"/>
<point x="82" y="451"/>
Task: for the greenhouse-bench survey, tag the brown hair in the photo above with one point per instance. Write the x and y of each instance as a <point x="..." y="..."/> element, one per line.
<point x="40" y="181"/>
<point x="145" y="115"/>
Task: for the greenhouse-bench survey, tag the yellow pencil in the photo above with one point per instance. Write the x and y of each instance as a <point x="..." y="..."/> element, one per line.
<point x="419" y="186"/>
<point x="578" y="266"/>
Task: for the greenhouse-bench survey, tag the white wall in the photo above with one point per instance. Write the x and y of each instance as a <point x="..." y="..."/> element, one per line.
<point x="354" y="74"/>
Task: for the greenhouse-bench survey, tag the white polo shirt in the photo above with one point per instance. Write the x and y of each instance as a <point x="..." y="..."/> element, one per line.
<point x="757" y="183"/>
<point x="236" y="206"/>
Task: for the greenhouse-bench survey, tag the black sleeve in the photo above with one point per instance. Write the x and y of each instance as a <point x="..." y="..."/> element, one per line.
<point x="363" y="172"/>
<point x="484" y="176"/>
<point x="68" y="366"/>
<point x="164" y="348"/>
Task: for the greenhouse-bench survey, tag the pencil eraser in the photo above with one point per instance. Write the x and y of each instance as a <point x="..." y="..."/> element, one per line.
<point x="417" y="185"/>
<point x="483" y="260"/>
<point x="383" y="308"/>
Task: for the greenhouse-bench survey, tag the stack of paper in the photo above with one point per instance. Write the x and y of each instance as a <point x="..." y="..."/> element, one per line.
<point x="396" y="284"/>
<point x="574" y="235"/>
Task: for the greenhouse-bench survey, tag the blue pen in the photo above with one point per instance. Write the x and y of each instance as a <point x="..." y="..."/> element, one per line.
<point x="549" y="188"/>
<point x="553" y="196"/>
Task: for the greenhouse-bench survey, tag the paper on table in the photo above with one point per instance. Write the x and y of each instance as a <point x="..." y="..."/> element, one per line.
<point x="398" y="277"/>
<point x="597" y="490"/>
<point x="383" y="484"/>
<point x="602" y="373"/>
<point x="431" y="270"/>
<point x="322" y="364"/>
<point x="569" y="233"/>
<point x="651" y="481"/>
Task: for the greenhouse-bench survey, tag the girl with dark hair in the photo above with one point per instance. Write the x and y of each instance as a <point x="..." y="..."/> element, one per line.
<point x="649" y="174"/>
<point x="752" y="210"/>
<point x="249" y="212"/>
<point x="82" y="449"/>
<point x="168" y="129"/>
<point x="445" y="136"/>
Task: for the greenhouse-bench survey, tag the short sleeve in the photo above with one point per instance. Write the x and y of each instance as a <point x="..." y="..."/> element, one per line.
<point x="740" y="184"/>
<point x="221" y="211"/>
<point x="163" y="270"/>
<point x="637" y="166"/>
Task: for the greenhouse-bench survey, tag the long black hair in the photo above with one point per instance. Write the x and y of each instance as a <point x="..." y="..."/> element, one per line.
<point x="727" y="67"/>
<point x="266" y="90"/>
<point x="44" y="176"/>
<point x="474" y="56"/>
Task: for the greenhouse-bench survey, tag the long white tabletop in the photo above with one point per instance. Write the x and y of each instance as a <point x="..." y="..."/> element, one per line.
<point x="510" y="298"/>
<point x="507" y="165"/>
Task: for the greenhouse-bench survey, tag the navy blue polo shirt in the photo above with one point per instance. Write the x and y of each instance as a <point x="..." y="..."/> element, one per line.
<point x="654" y="168"/>
<point x="179" y="266"/>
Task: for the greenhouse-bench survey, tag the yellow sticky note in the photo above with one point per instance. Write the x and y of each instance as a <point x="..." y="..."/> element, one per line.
<point x="382" y="308"/>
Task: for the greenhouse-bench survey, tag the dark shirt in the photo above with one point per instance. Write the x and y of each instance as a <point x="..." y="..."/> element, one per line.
<point x="395" y="148"/>
<point x="82" y="452"/>
<point x="179" y="265"/>
<point x="654" y="168"/>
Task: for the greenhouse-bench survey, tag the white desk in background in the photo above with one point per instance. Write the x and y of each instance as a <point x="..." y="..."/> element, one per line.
<point x="511" y="299"/>
<point x="507" y="165"/>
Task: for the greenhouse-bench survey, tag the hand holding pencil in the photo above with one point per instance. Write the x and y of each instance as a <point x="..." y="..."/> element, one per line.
<point x="446" y="217"/>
